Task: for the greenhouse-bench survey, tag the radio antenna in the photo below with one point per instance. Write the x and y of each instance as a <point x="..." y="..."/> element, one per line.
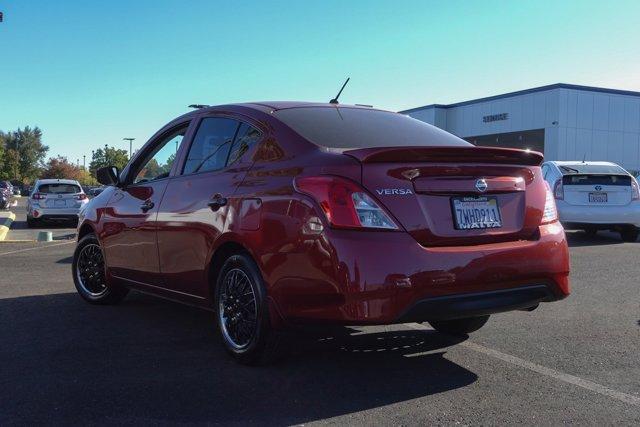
<point x="335" y="100"/>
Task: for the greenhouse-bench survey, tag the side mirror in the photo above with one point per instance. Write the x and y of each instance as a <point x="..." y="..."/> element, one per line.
<point x="108" y="175"/>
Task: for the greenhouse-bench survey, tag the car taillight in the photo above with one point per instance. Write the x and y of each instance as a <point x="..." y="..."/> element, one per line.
<point x="635" y="191"/>
<point x="558" y="190"/>
<point x="550" y="213"/>
<point x="81" y="196"/>
<point x="345" y="203"/>
<point x="38" y="196"/>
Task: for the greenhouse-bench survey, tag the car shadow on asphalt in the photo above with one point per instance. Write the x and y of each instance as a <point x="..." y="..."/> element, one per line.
<point x="580" y="238"/>
<point x="22" y="225"/>
<point x="152" y="360"/>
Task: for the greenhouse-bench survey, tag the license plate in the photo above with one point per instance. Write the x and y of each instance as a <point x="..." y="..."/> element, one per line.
<point x="476" y="212"/>
<point x="59" y="203"/>
<point x="597" y="197"/>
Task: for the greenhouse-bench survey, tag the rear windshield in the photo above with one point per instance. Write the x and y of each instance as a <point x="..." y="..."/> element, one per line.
<point x="343" y="127"/>
<point x="59" y="189"/>
<point x="591" y="169"/>
<point x="575" y="179"/>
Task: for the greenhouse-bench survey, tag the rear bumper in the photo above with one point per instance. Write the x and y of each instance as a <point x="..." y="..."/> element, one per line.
<point x="477" y="304"/>
<point x="381" y="278"/>
<point x="627" y="214"/>
<point x="52" y="214"/>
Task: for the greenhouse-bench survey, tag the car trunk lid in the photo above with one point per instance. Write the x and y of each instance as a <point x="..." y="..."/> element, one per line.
<point x="430" y="190"/>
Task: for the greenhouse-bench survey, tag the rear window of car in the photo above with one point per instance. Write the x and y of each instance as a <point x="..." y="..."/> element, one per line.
<point x="58" y="189"/>
<point x="574" y="179"/>
<point x="591" y="169"/>
<point x="344" y="127"/>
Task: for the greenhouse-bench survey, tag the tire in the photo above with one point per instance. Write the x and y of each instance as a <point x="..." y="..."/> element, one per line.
<point x="459" y="326"/>
<point x="241" y="299"/>
<point x="32" y="222"/>
<point x="629" y="234"/>
<point x="591" y="231"/>
<point x="89" y="274"/>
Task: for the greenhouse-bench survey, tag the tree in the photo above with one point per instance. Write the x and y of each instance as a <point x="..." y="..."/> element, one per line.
<point x="23" y="153"/>
<point x="85" y="178"/>
<point x="108" y="156"/>
<point x="59" y="167"/>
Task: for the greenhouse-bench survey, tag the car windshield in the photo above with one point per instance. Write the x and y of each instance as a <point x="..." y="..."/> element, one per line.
<point x="585" y="168"/>
<point x="59" y="189"/>
<point x="345" y="127"/>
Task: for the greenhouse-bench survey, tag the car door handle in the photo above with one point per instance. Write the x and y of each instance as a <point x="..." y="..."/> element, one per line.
<point x="147" y="205"/>
<point x="217" y="202"/>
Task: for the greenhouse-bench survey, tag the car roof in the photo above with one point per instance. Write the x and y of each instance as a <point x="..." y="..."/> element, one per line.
<point x="576" y="162"/>
<point x="270" y="106"/>
<point x="57" y="181"/>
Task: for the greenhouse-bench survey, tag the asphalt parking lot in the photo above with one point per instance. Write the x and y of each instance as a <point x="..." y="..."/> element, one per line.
<point x="152" y="361"/>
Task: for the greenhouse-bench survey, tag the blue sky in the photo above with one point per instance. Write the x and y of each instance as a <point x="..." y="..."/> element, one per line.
<point x="91" y="73"/>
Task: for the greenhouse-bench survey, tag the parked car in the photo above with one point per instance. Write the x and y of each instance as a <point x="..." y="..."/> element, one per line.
<point x="5" y="198"/>
<point x="55" y="200"/>
<point x="276" y="214"/>
<point x="595" y="196"/>
<point x="6" y="185"/>
<point x="94" y="191"/>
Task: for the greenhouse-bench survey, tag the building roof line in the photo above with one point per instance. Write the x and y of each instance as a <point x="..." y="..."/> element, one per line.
<point x="525" y="92"/>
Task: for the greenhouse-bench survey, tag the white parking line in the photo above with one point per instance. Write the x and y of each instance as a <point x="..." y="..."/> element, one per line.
<point x="543" y="370"/>
<point x="37" y="247"/>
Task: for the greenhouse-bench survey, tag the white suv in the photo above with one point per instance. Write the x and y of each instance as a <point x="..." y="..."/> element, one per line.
<point x="55" y="200"/>
<point x="595" y="196"/>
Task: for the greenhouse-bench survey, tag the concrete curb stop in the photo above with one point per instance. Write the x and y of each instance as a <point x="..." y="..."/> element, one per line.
<point x="5" y="224"/>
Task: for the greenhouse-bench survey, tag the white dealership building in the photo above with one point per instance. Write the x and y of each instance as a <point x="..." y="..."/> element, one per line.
<point x="564" y="121"/>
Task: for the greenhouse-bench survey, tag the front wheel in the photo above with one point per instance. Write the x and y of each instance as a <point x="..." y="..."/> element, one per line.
<point x="89" y="274"/>
<point x="242" y="313"/>
<point x="459" y="326"/>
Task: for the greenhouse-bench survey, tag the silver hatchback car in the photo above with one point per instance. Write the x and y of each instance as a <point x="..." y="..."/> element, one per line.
<point x="55" y="200"/>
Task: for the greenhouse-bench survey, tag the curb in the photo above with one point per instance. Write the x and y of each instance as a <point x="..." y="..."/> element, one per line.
<point x="5" y="224"/>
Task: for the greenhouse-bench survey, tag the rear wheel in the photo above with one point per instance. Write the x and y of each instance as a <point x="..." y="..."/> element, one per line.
<point x="89" y="274"/>
<point x="32" y="222"/>
<point x="459" y="326"/>
<point x="242" y="313"/>
<point x="629" y="233"/>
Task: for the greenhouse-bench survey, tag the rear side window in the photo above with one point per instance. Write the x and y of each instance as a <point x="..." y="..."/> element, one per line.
<point x="344" y="127"/>
<point x="59" y="189"/>
<point x="211" y="145"/>
<point x="246" y="138"/>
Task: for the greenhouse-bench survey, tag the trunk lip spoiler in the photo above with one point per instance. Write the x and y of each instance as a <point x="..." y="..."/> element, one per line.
<point x="446" y="154"/>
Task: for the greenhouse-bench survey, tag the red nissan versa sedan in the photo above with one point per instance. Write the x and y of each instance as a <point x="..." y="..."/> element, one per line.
<point x="280" y="213"/>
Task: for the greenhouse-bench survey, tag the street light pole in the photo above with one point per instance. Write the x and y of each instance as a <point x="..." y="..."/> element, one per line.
<point x="130" y="144"/>
<point x="84" y="162"/>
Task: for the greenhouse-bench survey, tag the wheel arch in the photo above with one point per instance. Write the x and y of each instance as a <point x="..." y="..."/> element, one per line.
<point x="84" y="230"/>
<point x="219" y="256"/>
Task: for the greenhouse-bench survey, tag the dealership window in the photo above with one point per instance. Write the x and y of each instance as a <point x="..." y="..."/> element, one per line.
<point x="528" y="139"/>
